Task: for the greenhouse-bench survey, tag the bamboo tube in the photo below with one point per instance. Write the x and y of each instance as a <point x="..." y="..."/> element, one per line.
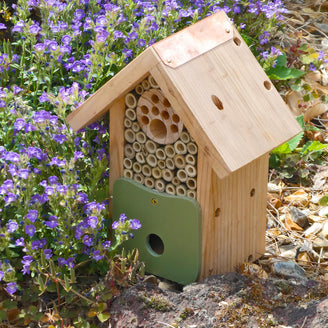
<point x="141" y="137"/>
<point x="138" y="177"/>
<point x="167" y="175"/>
<point x="129" y="151"/>
<point x="191" y="183"/>
<point x="192" y="148"/>
<point x="136" y="146"/>
<point x="170" y="189"/>
<point x="129" y="136"/>
<point x="130" y="100"/>
<point x="139" y="89"/>
<point x="160" y="153"/>
<point x="146" y="170"/>
<point x="169" y="151"/>
<point x="128" y="174"/>
<point x="180" y="147"/>
<point x="127" y="163"/>
<point x="184" y="137"/>
<point x="149" y="182"/>
<point x="161" y="164"/>
<point x="151" y="146"/>
<point x="131" y="114"/>
<point x="191" y="170"/>
<point x="175" y="181"/>
<point x="181" y="190"/>
<point x="156" y="172"/>
<point x="191" y="194"/>
<point x="179" y="161"/>
<point x="151" y="160"/>
<point x="145" y="84"/>
<point x="152" y="82"/>
<point x="169" y="162"/>
<point x="190" y="159"/>
<point x="135" y="127"/>
<point x="144" y="150"/>
<point x="159" y="185"/>
<point x="182" y="175"/>
<point x="127" y="123"/>
<point x="140" y="158"/>
<point x="136" y="167"/>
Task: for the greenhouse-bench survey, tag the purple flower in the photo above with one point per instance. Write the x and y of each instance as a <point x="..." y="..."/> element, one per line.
<point x="70" y="262"/>
<point x="11" y="288"/>
<point x="87" y="240"/>
<point x="9" y="198"/>
<point x="30" y="230"/>
<point x="97" y="256"/>
<point x="115" y="225"/>
<point x="12" y="156"/>
<point x="34" y="29"/>
<point x="77" y="155"/>
<point x="122" y="218"/>
<point x="58" y="162"/>
<point x="66" y="39"/>
<point x="135" y="224"/>
<point x="118" y="34"/>
<point x="1" y="275"/>
<point x="12" y="226"/>
<point x="79" y="14"/>
<point x="20" y="242"/>
<point x="52" y="223"/>
<point x="19" y="124"/>
<point x="23" y="173"/>
<point x="2" y="26"/>
<point x="44" y="97"/>
<point x="18" y="27"/>
<point x="78" y="66"/>
<point x="52" y="179"/>
<point x="60" y="138"/>
<point x="36" y="244"/>
<point x="49" y="191"/>
<point x="29" y="127"/>
<point x="47" y="253"/>
<point x="35" y="152"/>
<point x="39" y="47"/>
<point x="264" y="37"/>
<point x="52" y="45"/>
<point x="17" y="89"/>
<point x="93" y="221"/>
<point x="61" y="261"/>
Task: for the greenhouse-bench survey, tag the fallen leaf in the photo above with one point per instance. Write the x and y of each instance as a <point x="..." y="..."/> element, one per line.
<point x="303" y="257"/>
<point x="253" y="269"/>
<point x="315" y="111"/>
<point x="298" y="198"/>
<point x="291" y="225"/>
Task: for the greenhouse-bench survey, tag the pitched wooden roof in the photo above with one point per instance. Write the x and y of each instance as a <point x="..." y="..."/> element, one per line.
<point x="215" y="85"/>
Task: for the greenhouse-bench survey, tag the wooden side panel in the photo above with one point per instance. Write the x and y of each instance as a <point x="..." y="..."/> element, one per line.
<point x="233" y="227"/>
<point x="100" y="102"/>
<point x="116" y="143"/>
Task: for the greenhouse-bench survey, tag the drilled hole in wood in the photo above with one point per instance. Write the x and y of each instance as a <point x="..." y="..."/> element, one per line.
<point x="145" y="120"/>
<point x="155" y="244"/>
<point x="252" y="192"/>
<point x="237" y="41"/>
<point x="267" y="85"/>
<point x="158" y="128"/>
<point x="165" y="115"/>
<point x="154" y="99"/>
<point x="217" y="102"/>
<point x="144" y="109"/>
<point x="174" y="128"/>
<point x="166" y="103"/>
<point x="217" y="212"/>
<point x="175" y="118"/>
<point x="155" y="111"/>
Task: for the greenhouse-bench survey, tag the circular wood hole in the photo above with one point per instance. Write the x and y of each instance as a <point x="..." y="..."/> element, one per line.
<point x="158" y="128"/>
<point x="155" y="110"/>
<point x="155" y="244"/>
<point x="175" y="118"/>
<point x="252" y="192"/>
<point x="144" y="109"/>
<point x="217" y="212"/>
<point x="217" y="102"/>
<point x="166" y="103"/>
<point x="237" y="41"/>
<point x="174" y="128"/>
<point x="154" y="99"/>
<point x="267" y="85"/>
<point x="165" y="115"/>
<point x="145" y="120"/>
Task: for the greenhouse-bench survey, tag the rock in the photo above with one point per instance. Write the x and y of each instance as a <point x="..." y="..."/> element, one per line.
<point x="289" y="269"/>
<point x="299" y="217"/>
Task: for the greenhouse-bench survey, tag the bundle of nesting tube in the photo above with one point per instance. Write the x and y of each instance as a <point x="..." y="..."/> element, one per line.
<point x="159" y="153"/>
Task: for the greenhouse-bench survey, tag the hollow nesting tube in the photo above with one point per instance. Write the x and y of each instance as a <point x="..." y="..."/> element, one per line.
<point x="151" y="146"/>
<point x="167" y="175"/>
<point x="169" y="163"/>
<point x="156" y="172"/>
<point x="184" y="137"/>
<point x="130" y="100"/>
<point x="129" y="151"/>
<point x="141" y="137"/>
<point x="190" y="159"/>
<point x="128" y="173"/>
<point x="182" y="175"/>
<point x="170" y="189"/>
<point x="131" y="114"/>
<point x="160" y="185"/>
<point x="175" y="181"/>
<point x="191" y="194"/>
<point x="191" y="170"/>
<point x="191" y="183"/>
<point x="152" y="82"/>
<point x="161" y="164"/>
<point x="149" y="182"/>
<point x="146" y="170"/>
<point x="138" y="177"/>
<point x="192" y="148"/>
<point x="135" y="127"/>
<point x="129" y="136"/>
<point x="127" y="123"/>
<point x="179" y="161"/>
<point x="127" y="163"/>
<point x="151" y="160"/>
<point x="160" y="153"/>
<point x="180" y="147"/>
<point x="181" y="190"/>
<point x="136" y="167"/>
<point x="169" y="151"/>
<point x="145" y="84"/>
<point x="140" y="158"/>
<point x="139" y="89"/>
<point x="136" y="146"/>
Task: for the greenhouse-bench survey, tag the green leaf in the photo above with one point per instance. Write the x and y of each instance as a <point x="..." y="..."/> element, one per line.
<point x="3" y="315"/>
<point x="323" y="201"/>
<point x="274" y="161"/>
<point x="313" y="146"/>
<point x="67" y="285"/>
<point x="103" y="316"/>
<point x="300" y="121"/>
<point x="289" y="146"/>
<point x="284" y="73"/>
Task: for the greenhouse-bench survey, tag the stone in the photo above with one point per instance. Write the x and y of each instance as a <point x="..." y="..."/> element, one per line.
<point x="299" y="217"/>
<point x="289" y="269"/>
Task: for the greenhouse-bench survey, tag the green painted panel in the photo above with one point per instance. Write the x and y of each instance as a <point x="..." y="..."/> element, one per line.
<point x="169" y="240"/>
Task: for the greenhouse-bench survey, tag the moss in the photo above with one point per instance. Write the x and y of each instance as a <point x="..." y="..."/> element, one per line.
<point x="157" y="302"/>
<point x="187" y="312"/>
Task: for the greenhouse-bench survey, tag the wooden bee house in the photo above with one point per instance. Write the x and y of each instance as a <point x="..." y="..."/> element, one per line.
<point x="192" y="120"/>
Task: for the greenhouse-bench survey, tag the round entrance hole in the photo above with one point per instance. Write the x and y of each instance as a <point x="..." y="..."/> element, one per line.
<point x="252" y="192"/>
<point x="155" y="244"/>
<point x="158" y="129"/>
<point x="217" y="102"/>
